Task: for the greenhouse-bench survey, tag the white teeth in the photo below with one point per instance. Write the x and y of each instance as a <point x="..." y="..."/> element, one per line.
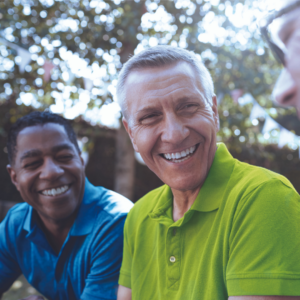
<point x="192" y="149"/>
<point x="57" y="191"/>
<point x="180" y="156"/>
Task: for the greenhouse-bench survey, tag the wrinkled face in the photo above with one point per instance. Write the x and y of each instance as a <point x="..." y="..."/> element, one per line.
<point x="48" y="171"/>
<point x="171" y="124"/>
<point x="287" y="89"/>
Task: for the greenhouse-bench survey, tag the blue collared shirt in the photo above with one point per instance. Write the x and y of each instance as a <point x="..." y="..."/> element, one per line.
<point x="88" y="264"/>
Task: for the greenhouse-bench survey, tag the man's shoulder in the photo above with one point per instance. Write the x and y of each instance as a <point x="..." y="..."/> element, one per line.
<point x="107" y="200"/>
<point x="145" y="205"/>
<point x="15" y="217"/>
<point x="248" y="178"/>
<point x="260" y="189"/>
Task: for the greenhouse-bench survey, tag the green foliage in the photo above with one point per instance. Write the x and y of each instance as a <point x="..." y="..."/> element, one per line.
<point x="105" y="33"/>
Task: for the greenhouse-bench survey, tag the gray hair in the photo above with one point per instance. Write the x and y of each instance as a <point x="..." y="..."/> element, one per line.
<point x="162" y="56"/>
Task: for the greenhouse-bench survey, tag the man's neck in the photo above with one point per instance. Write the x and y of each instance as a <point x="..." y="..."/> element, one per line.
<point x="182" y="202"/>
<point x="55" y="231"/>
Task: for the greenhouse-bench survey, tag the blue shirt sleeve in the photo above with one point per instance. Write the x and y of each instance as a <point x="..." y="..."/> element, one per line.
<point x="9" y="267"/>
<point x="106" y="257"/>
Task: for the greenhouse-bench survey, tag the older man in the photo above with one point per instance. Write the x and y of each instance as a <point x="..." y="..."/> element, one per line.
<point x="284" y="26"/>
<point x="67" y="238"/>
<point x="218" y="229"/>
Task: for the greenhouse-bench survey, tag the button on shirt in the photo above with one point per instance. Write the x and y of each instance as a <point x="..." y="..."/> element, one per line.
<point x="240" y="237"/>
<point x="87" y="266"/>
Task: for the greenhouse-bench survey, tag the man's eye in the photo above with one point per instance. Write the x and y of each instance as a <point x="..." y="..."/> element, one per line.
<point x="65" y="157"/>
<point x="190" y="107"/>
<point x="32" y="165"/>
<point x="149" y="118"/>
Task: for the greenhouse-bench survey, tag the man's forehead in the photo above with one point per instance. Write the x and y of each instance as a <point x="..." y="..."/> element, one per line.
<point x="158" y="78"/>
<point x="46" y="129"/>
<point x="41" y="136"/>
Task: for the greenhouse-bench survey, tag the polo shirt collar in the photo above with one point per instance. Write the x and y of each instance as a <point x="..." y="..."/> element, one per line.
<point x="85" y="219"/>
<point x="30" y="220"/>
<point x="165" y="201"/>
<point x="211" y="193"/>
<point x="87" y="214"/>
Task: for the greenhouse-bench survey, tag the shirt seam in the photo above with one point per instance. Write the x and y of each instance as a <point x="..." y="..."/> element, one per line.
<point x="124" y="274"/>
<point x="286" y="275"/>
<point x="265" y="182"/>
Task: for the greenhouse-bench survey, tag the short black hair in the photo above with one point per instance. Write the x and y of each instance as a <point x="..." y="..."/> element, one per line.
<point x="33" y="119"/>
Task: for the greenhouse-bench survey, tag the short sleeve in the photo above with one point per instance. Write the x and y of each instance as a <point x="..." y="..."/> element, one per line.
<point x="125" y="273"/>
<point x="102" y="280"/>
<point x="9" y="267"/>
<point x="264" y="254"/>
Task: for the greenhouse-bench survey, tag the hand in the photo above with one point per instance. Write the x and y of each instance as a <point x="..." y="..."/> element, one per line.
<point x="33" y="297"/>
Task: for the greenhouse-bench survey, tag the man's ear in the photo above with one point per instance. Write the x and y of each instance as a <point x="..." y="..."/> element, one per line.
<point x="215" y="111"/>
<point x="13" y="175"/>
<point x="128" y="129"/>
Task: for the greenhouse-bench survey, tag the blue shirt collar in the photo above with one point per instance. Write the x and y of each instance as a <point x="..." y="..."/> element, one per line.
<point x="87" y="214"/>
<point x="85" y="219"/>
<point x="27" y="222"/>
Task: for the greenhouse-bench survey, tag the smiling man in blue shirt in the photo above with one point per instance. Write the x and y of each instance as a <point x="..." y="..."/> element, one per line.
<point x="67" y="237"/>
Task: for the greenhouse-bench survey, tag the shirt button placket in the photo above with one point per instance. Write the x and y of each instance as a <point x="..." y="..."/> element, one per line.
<point x="173" y="252"/>
<point x="172" y="259"/>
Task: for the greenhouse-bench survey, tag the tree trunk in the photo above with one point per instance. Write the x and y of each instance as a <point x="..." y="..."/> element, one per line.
<point x="125" y="159"/>
<point x="124" y="164"/>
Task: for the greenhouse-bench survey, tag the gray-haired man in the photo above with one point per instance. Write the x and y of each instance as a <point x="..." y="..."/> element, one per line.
<point x="219" y="229"/>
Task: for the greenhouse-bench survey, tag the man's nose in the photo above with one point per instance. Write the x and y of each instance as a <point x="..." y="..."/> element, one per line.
<point x="51" y="170"/>
<point x="175" y="130"/>
<point x="285" y="90"/>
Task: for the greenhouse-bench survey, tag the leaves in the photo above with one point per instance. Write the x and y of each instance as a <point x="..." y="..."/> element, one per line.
<point x="89" y="40"/>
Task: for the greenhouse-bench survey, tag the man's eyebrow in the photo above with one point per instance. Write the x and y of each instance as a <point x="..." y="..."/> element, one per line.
<point x="184" y="99"/>
<point x="146" y="110"/>
<point x="36" y="152"/>
<point x="31" y="153"/>
<point x="62" y="147"/>
<point x="150" y="109"/>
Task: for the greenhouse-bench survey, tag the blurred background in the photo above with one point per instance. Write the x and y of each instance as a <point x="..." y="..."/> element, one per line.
<point x="64" y="56"/>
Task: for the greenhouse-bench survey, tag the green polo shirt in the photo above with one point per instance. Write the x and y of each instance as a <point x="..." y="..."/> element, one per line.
<point x="240" y="237"/>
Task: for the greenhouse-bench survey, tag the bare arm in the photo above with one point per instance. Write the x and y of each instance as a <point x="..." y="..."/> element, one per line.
<point x="124" y="293"/>
<point x="264" y="298"/>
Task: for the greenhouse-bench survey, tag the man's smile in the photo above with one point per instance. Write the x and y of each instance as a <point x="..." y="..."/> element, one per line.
<point x="180" y="156"/>
<point x="55" y="191"/>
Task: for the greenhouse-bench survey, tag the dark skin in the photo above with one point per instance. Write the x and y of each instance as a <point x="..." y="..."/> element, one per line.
<point x="49" y="173"/>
